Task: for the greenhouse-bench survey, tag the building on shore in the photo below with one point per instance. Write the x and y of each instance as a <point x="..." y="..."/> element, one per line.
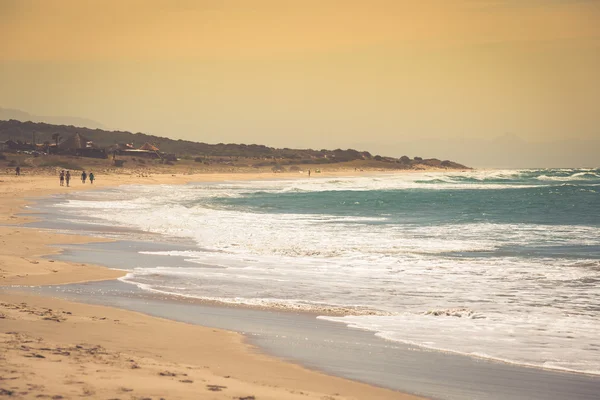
<point x="146" y="150"/>
<point x="79" y="145"/>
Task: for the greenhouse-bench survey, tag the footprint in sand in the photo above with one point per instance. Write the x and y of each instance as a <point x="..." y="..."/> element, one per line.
<point x="215" y="388"/>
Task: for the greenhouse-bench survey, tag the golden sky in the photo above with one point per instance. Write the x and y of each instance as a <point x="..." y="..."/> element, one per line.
<point x="370" y="74"/>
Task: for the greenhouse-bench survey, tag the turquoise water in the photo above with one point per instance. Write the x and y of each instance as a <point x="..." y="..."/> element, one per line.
<point x="540" y="197"/>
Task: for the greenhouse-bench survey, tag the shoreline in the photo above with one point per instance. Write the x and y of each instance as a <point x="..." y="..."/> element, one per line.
<point x="26" y="265"/>
<point x="137" y="349"/>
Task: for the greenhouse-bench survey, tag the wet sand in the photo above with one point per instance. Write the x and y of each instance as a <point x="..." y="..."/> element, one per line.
<point x="52" y="347"/>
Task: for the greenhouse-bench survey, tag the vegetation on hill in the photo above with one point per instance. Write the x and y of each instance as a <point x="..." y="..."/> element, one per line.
<point x="204" y="152"/>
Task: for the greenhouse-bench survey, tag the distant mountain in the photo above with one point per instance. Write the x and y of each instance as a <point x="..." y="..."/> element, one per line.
<point x="19" y="115"/>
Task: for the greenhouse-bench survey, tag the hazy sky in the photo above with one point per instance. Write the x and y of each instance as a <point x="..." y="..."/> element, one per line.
<point x="433" y="77"/>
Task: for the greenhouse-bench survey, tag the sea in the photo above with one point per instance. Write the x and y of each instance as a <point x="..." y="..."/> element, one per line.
<point x="494" y="264"/>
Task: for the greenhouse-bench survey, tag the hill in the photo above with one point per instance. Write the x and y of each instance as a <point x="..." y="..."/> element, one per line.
<point x="43" y="133"/>
<point x="23" y="116"/>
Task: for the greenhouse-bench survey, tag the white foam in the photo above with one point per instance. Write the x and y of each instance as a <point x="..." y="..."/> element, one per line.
<point x="560" y="344"/>
<point x="518" y="309"/>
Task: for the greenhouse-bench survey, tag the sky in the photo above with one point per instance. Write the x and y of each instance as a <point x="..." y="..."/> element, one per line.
<point x="499" y="83"/>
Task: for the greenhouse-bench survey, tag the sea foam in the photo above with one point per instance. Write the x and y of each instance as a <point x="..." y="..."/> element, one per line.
<point x="496" y="264"/>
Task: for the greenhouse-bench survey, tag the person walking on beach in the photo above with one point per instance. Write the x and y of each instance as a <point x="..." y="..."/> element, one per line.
<point x="83" y="177"/>
<point x="91" y="178"/>
<point x="309" y="173"/>
<point x="18" y="170"/>
<point x="62" y="178"/>
<point x="67" y="177"/>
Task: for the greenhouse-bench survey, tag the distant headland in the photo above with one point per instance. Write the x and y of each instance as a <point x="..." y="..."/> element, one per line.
<point x="42" y="139"/>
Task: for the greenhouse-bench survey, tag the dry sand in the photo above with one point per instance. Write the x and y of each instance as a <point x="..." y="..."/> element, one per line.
<point x="51" y="348"/>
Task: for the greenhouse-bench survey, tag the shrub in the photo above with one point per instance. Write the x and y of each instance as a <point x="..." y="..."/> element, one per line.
<point x="2" y="156"/>
<point x="265" y="163"/>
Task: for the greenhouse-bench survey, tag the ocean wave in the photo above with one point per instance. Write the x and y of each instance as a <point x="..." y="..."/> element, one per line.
<point x="496" y="338"/>
<point x="477" y="272"/>
<point x="262" y="303"/>
<point x="574" y="177"/>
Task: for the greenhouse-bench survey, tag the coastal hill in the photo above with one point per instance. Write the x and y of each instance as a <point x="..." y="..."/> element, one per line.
<point x="24" y="116"/>
<point x="44" y="133"/>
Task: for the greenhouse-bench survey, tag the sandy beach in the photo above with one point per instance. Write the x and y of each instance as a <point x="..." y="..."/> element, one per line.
<point x="58" y="349"/>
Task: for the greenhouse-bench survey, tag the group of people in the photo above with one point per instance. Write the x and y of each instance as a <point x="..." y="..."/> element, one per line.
<point x="65" y="176"/>
<point x="84" y="176"/>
